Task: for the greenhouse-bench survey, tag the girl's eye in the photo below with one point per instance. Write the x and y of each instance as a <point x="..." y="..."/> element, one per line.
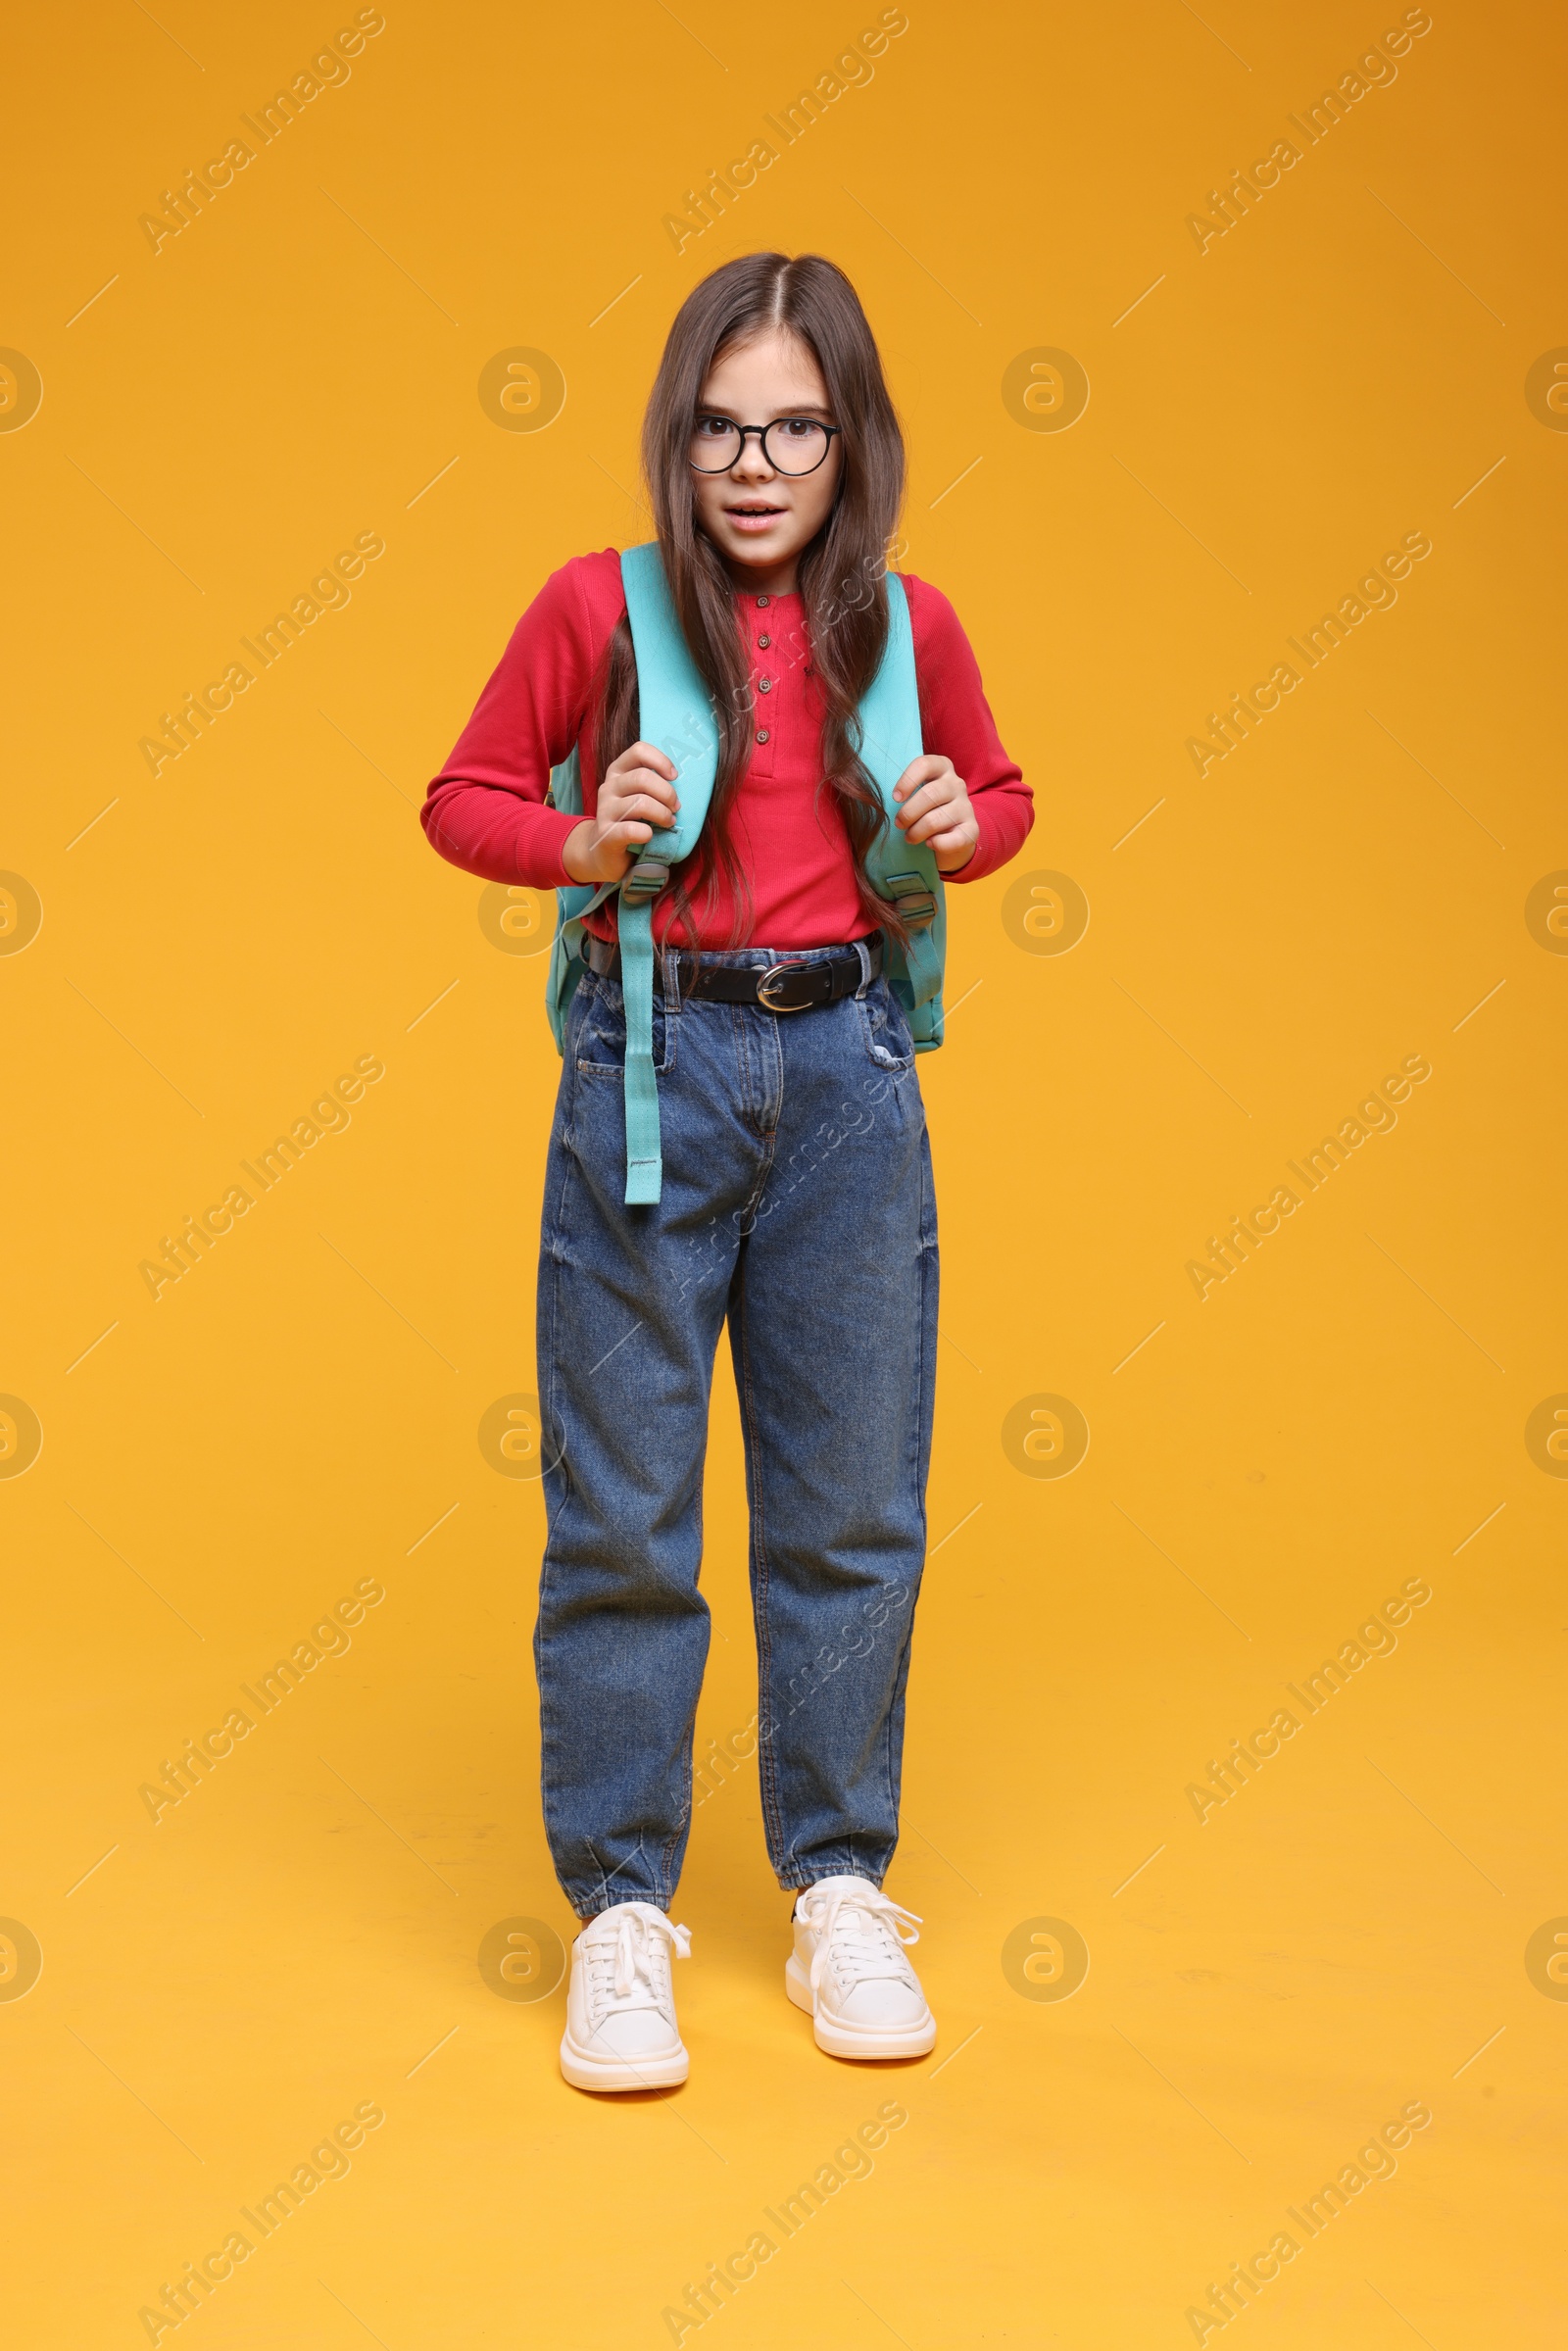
<point x="712" y="428"/>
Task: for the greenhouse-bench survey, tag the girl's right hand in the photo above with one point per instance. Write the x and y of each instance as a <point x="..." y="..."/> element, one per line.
<point x="637" y="793"/>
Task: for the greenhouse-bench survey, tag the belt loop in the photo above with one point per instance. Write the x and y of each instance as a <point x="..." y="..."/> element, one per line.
<point x="864" y="953"/>
<point x="671" y="978"/>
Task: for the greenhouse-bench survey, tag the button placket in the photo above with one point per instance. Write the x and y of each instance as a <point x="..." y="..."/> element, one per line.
<point x="763" y="735"/>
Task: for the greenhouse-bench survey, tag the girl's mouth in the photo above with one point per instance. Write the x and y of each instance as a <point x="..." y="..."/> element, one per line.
<point x="753" y="516"/>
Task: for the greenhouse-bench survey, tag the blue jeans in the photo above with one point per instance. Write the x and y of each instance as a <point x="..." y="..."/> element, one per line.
<point x="797" y="1206"/>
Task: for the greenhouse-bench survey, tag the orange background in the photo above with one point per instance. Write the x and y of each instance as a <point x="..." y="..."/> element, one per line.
<point x="1349" y="1934"/>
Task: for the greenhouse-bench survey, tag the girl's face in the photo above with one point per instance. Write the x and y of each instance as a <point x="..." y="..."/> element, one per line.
<point x="761" y="521"/>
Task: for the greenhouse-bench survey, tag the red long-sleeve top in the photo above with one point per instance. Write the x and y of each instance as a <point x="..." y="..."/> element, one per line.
<point x="485" y="810"/>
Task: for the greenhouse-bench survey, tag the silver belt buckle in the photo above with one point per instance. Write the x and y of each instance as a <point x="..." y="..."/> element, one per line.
<point x="774" y="972"/>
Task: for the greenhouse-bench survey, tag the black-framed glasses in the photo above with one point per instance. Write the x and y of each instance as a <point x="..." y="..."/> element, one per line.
<point x="789" y="445"/>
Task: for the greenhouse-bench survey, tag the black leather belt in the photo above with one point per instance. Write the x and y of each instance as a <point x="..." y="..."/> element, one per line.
<point x="816" y="976"/>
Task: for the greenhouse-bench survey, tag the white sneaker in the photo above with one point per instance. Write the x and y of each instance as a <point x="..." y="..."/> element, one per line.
<point x="621" y="2008"/>
<point x="849" y="1972"/>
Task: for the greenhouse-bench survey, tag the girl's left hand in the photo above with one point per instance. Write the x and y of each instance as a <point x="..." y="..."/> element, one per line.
<point x="935" y="809"/>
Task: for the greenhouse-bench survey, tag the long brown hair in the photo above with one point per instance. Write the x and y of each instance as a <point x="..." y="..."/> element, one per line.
<point x="841" y="572"/>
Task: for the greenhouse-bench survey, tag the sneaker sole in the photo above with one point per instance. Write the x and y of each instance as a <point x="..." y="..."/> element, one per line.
<point x="850" y="2040"/>
<point x="585" y="2071"/>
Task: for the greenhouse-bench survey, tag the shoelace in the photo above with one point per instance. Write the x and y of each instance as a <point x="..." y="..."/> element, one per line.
<point x="642" y="1930"/>
<point x="874" y="1948"/>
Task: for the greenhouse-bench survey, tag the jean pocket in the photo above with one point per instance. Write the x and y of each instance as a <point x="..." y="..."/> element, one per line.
<point x="602" y="1039"/>
<point x="887" y="1042"/>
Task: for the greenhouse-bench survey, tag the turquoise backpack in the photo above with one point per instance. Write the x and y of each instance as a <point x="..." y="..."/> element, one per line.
<point x="676" y="715"/>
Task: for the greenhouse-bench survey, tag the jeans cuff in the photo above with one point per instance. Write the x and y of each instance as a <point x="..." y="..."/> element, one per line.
<point x="846" y="1868"/>
<point x="590" y="1905"/>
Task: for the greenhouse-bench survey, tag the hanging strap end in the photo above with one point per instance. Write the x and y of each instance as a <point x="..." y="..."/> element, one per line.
<point x="644" y="1183"/>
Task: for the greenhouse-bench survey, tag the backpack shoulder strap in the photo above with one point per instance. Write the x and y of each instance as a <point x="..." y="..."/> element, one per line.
<point x="674" y="709"/>
<point x="676" y="715"/>
<point x="902" y="871"/>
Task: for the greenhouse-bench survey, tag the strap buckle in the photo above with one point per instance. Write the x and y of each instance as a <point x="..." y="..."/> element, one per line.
<point x="913" y="900"/>
<point x="644" y="880"/>
<point x="776" y="972"/>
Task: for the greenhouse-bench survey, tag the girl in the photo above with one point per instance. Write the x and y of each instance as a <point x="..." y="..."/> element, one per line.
<point x="796" y="1202"/>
